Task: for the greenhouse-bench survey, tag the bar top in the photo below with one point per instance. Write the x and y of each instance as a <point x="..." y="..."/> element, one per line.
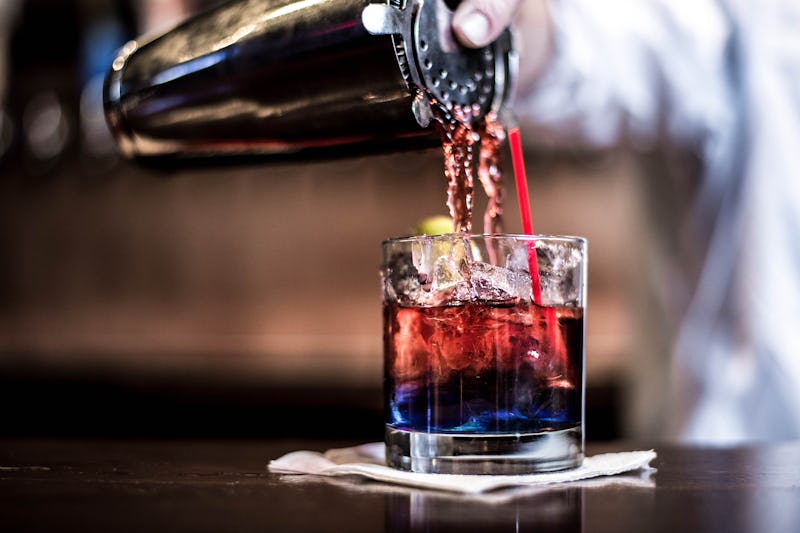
<point x="224" y="485"/>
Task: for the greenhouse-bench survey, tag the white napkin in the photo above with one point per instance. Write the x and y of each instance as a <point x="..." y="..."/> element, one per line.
<point x="368" y="461"/>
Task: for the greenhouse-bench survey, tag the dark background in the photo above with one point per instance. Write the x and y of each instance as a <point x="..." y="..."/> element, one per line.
<point x="229" y="301"/>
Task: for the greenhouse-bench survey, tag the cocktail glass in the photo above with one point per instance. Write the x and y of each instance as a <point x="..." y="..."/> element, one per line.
<point x="483" y="362"/>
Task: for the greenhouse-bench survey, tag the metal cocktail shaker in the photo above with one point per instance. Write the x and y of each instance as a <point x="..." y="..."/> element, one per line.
<point x="280" y="78"/>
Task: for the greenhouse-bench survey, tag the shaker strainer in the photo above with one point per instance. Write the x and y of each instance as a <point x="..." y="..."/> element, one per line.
<point x="285" y="78"/>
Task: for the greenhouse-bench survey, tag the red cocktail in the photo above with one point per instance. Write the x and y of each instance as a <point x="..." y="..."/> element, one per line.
<point x="478" y="377"/>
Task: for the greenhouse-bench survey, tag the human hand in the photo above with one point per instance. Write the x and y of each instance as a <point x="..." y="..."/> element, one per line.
<point x="477" y="23"/>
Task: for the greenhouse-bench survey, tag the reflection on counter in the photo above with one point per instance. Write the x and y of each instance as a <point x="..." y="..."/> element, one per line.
<point x="540" y="508"/>
<point x="554" y="510"/>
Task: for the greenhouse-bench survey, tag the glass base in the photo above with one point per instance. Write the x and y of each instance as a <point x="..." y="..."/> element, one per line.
<point x="447" y="453"/>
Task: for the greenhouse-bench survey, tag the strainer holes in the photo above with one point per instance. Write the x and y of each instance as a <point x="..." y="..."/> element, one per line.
<point x="442" y="73"/>
<point x="423" y="45"/>
<point x="427" y="64"/>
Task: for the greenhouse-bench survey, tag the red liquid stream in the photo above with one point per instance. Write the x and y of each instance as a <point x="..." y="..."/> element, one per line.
<point x="490" y="172"/>
<point x="458" y="139"/>
<point x="458" y="145"/>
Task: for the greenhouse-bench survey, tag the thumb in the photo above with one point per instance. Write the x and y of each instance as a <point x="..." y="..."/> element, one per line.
<point x="477" y="23"/>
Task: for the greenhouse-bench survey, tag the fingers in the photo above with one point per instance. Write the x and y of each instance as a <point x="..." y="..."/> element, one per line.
<point x="477" y="23"/>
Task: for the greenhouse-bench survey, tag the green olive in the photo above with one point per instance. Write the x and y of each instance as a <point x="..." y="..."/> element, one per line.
<point x="435" y="225"/>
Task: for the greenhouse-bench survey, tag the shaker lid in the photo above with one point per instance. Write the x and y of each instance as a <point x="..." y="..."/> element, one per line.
<point x="433" y="62"/>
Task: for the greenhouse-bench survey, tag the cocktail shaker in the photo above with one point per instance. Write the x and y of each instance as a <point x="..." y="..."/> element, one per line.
<point x="284" y="78"/>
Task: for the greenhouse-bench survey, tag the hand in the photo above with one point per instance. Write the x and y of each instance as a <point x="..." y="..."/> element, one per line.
<point x="477" y="23"/>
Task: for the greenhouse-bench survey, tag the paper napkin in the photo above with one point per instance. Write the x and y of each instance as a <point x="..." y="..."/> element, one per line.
<point x="367" y="461"/>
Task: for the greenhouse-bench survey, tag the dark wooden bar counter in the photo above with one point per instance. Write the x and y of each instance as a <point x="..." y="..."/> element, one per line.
<point x="222" y="485"/>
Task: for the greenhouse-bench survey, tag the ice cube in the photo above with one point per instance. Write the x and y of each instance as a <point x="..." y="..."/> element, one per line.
<point x="446" y="273"/>
<point x="560" y="273"/>
<point x="517" y="260"/>
<point x="440" y="262"/>
<point x="401" y="281"/>
<point x="422" y="256"/>
<point x="523" y="287"/>
<point x="492" y="283"/>
<point x="426" y="252"/>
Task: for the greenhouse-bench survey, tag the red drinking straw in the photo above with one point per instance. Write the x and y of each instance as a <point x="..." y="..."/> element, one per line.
<point x="557" y="342"/>
<point x="525" y="209"/>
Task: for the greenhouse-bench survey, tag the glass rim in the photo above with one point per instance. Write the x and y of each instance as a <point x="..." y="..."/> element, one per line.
<point x="582" y="241"/>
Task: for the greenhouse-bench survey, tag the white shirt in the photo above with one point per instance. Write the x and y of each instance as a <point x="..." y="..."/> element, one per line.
<point x="715" y="83"/>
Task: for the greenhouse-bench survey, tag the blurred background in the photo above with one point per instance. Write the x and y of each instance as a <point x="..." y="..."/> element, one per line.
<point x="233" y="301"/>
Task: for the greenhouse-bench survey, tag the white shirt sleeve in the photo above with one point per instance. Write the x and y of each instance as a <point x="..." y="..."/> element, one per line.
<point x="633" y="71"/>
<point x="721" y="78"/>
